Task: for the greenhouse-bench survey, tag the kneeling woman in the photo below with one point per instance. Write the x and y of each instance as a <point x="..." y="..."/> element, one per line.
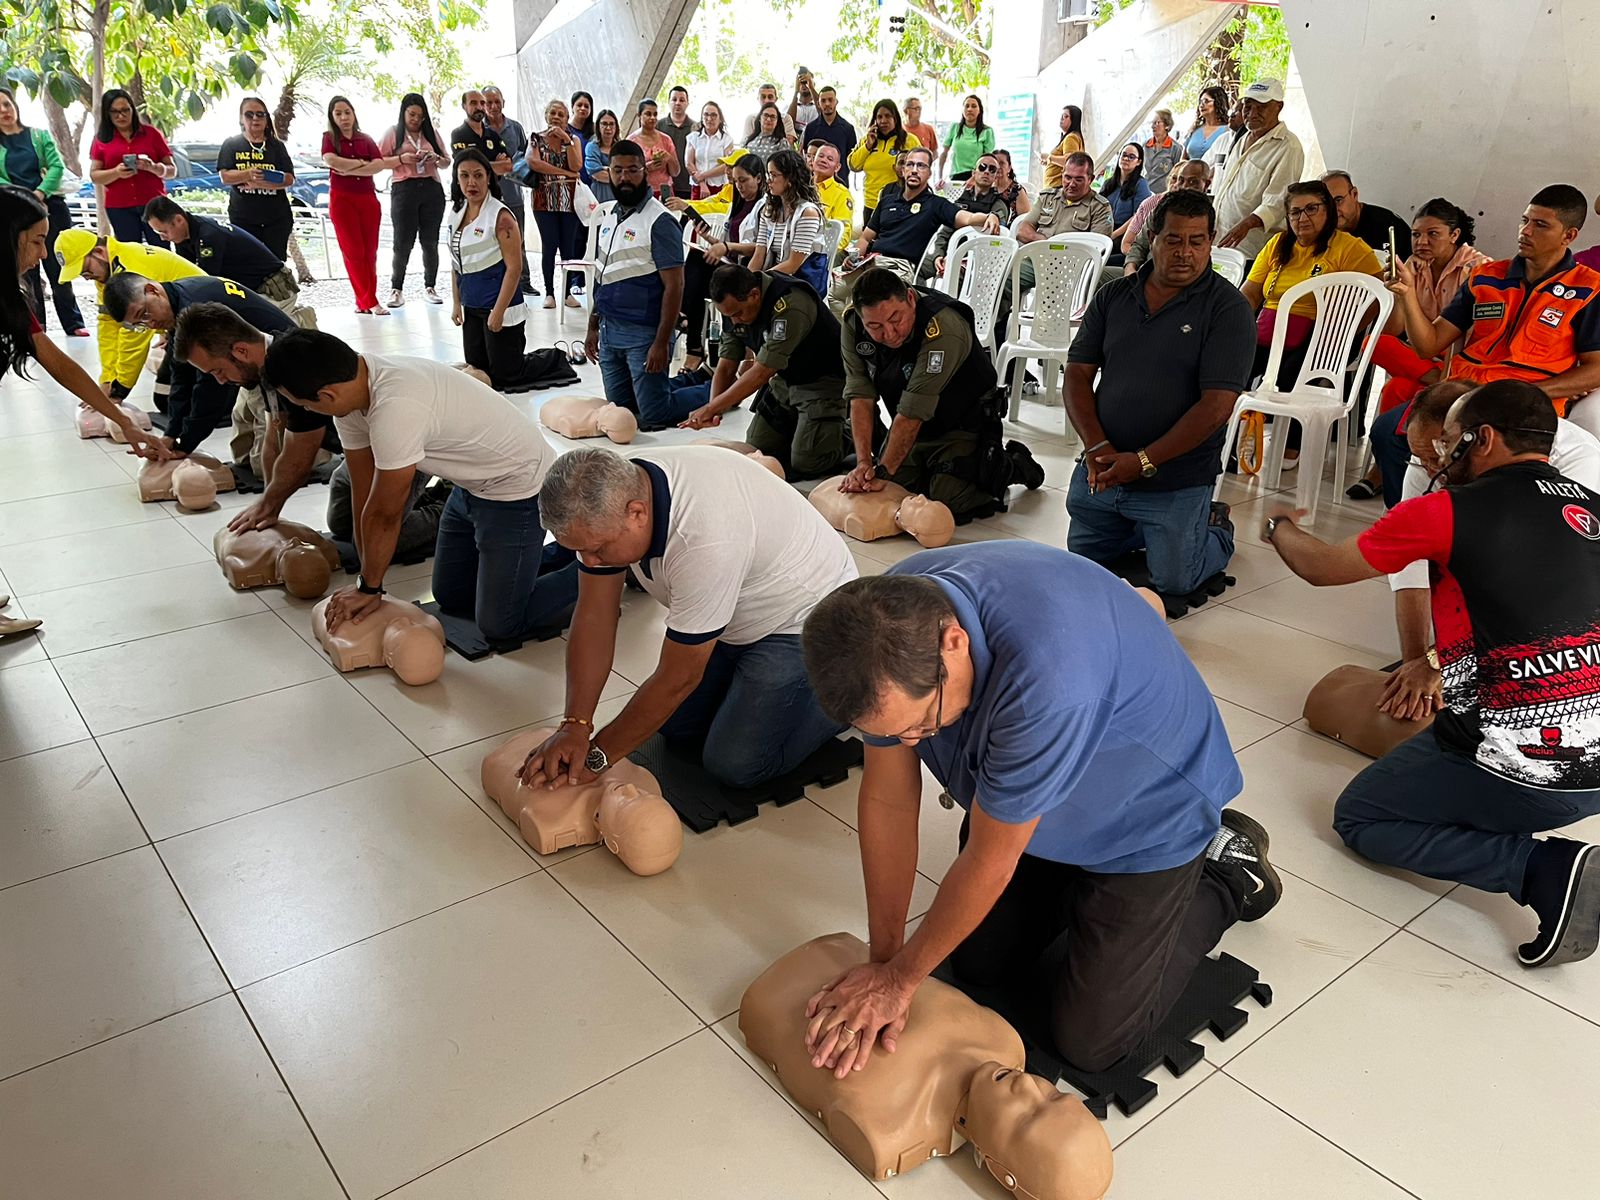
<point x="488" y="298"/>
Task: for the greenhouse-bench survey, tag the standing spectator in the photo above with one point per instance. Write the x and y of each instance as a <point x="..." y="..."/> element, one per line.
<point x="979" y="196"/>
<point x="925" y="134"/>
<point x="1071" y="143"/>
<point x="1151" y="402"/>
<point x="767" y="94"/>
<point x="475" y="132"/>
<point x="886" y="140"/>
<point x="790" y="227"/>
<point x="637" y="295"/>
<point x="1125" y="189"/>
<point x="680" y="128"/>
<point x="131" y="161"/>
<point x="581" y="126"/>
<point x="1372" y="223"/>
<point x="660" y="153"/>
<point x="554" y="161"/>
<point x="1228" y="139"/>
<point x="257" y="168"/>
<point x="707" y="147"/>
<point x="803" y="107"/>
<point x="1210" y="122"/>
<point x="515" y="137"/>
<point x="742" y="201"/>
<point x="416" y="198"/>
<point x="29" y="160"/>
<point x="967" y="140"/>
<point x="768" y="138"/>
<point x="353" y="159"/>
<point x="597" y="155"/>
<point x="1161" y="153"/>
<point x="1011" y="188"/>
<point x="837" y="202"/>
<point x="1259" y="167"/>
<point x="830" y="127"/>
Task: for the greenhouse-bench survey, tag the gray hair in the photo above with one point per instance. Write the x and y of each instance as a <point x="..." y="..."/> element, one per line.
<point x="591" y="487"/>
<point x="1337" y="174"/>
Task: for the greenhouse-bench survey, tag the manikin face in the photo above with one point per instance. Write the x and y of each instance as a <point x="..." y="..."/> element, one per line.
<point x="31" y="246"/>
<point x="1033" y="1137"/>
<point x="174" y="231"/>
<point x="825" y="161"/>
<point x="828" y="104"/>
<point x="622" y="545"/>
<point x="345" y="118"/>
<point x="741" y="310"/>
<point x="1074" y="181"/>
<point x="1181" y="251"/>
<point x="1541" y="233"/>
<point x="150" y="310"/>
<point x="1346" y="201"/>
<point x="1193" y="176"/>
<point x="242" y="364"/>
<point x="474" y="181"/>
<point x="474" y="106"/>
<point x="1433" y="239"/>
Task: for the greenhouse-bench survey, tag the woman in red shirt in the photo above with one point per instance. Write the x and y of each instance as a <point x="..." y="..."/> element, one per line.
<point x="353" y="159"/>
<point x="132" y="162"/>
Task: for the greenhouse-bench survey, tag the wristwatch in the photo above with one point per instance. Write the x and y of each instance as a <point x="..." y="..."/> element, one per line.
<point x="595" y="761"/>
<point x="368" y="589"/>
<point x="1433" y="657"/>
<point x="1274" y="522"/>
<point x="1146" y="467"/>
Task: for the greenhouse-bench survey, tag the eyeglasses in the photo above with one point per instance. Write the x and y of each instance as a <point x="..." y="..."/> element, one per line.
<point x="121" y="110"/>
<point x="989" y="170"/>
<point x="1130" y="157"/>
<point x="627" y="172"/>
<point x="917" y="732"/>
<point x="257" y="115"/>
<point x="1310" y="210"/>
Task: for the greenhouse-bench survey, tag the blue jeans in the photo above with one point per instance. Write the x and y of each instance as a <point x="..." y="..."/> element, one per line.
<point x="486" y="566"/>
<point x="1429" y="810"/>
<point x="1392" y="452"/>
<point x="127" y="225"/>
<point x="754" y="711"/>
<point x="1182" y="548"/>
<point x="624" y="346"/>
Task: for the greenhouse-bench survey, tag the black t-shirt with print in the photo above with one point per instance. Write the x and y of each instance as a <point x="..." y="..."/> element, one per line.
<point x="255" y="206"/>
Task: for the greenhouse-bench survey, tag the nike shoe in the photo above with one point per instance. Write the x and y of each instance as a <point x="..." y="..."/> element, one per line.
<point x="1563" y="888"/>
<point x="1239" y="849"/>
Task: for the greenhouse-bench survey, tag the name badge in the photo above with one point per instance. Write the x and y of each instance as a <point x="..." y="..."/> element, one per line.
<point x="1488" y="312"/>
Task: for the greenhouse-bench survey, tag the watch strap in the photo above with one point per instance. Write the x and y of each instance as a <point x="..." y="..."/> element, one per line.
<point x="367" y="589"/>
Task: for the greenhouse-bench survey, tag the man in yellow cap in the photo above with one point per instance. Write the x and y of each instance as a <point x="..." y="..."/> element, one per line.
<point x="122" y="351"/>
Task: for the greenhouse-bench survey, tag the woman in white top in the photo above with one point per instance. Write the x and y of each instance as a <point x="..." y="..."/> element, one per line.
<point x="789" y="234"/>
<point x="707" y="146"/>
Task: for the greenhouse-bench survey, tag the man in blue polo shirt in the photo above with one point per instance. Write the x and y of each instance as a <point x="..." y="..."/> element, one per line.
<point x="1049" y="699"/>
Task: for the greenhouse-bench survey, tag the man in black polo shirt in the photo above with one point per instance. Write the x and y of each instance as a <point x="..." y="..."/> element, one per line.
<point x="227" y="252"/>
<point x="909" y="214"/>
<point x="198" y="404"/>
<point x="800" y="418"/>
<point x="918" y="351"/>
<point x="1173" y="345"/>
<point x="1514" y="548"/>
<point x="1372" y="223"/>
<point x="475" y="132"/>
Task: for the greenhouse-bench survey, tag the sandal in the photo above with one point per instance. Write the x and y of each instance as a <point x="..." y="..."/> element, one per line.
<point x="1362" y="489"/>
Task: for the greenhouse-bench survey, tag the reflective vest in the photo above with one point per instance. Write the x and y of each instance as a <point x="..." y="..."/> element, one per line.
<point x="1522" y="332"/>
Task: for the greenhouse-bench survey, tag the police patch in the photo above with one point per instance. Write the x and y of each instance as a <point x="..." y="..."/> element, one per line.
<point x="935" y="362"/>
<point x="933" y="327"/>
<point x="780" y="329"/>
<point x="865" y="347"/>
<point x="1551" y="317"/>
<point x="783" y="303"/>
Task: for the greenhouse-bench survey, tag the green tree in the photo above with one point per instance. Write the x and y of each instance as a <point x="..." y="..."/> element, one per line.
<point x="1253" y="46"/>
<point x="951" y="48"/>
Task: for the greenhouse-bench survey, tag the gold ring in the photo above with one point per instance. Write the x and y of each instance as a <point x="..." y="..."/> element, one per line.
<point x="853" y="1034"/>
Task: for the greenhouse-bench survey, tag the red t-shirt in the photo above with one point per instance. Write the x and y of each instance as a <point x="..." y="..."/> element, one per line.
<point x="143" y="187"/>
<point x="33" y="325"/>
<point x="360" y="146"/>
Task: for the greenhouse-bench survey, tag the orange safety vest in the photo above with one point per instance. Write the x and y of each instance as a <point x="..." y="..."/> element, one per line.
<point x="1514" y="331"/>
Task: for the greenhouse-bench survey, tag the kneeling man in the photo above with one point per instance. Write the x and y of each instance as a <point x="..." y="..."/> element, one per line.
<point x="400" y="416"/>
<point x="739" y="559"/>
<point x="1051" y="702"/>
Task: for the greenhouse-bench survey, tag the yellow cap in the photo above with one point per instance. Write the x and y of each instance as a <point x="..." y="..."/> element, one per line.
<point x="726" y="160"/>
<point x="72" y="247"/>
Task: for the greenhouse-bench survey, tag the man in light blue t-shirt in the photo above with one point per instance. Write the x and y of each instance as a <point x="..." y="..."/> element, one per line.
<point x="1051" y="702"/>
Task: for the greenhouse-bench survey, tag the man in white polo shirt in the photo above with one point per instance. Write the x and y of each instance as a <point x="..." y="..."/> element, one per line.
<point x="399" y="415"/>
<point x="739" y="559"/>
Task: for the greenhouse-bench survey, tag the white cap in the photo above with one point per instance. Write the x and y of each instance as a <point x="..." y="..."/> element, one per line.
<point x="1263" y="91"/>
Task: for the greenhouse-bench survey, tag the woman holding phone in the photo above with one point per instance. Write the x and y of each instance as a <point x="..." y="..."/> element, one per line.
<point x="416" y="197"/>
<point x="259" y="172"/>
<point x="132" y="162"/>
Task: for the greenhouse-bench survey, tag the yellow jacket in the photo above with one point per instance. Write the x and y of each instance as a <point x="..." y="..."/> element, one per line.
<point x="720" y="201"/>
<point x="123" y="351"/>
<point x="837" y="205"/>
<point x="877" y="165"/>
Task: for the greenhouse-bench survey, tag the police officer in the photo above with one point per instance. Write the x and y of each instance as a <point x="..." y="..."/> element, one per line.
<point x="919" y="352"/>
<point x="228" y="252"/>
<point x="800" y="417"/>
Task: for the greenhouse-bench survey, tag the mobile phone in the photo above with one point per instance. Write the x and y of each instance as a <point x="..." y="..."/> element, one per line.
<point x="1393" y="269"/>
<point x="271" y="176"/>
<point x="131" y="161"/>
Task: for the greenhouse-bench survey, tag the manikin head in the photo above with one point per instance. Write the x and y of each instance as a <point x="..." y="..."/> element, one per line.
<point x="639" y="827"/>
<point x="1038" y="1142"/>
<point x="598" y="505"/>
<point x="135" y="302"/>
<point x="1425" y="421"/>
<point x="317" y="371"/>
<point x="193" y="485"/>
<point x="588" y="416"/>
<point x="929" y="521"/>
<point x="886" y="305"/>
<point x="304" y="570"/>
<point x="411" y="651"/>
<point x="215" y="339"/>
<point x="167" y="217"/>
<point x="1507" y="421"/>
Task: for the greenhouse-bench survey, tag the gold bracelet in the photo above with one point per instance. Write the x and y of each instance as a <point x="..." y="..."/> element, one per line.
<point x="576" y="721"/>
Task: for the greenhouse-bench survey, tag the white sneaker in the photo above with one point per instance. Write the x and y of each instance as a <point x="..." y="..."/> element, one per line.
<point x="396" y="300"/>
<point x="432" y="297"/>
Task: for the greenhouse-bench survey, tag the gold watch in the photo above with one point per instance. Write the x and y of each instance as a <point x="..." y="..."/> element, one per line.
<point x="1433" y="657"/>
<point x="1146" y="467"/>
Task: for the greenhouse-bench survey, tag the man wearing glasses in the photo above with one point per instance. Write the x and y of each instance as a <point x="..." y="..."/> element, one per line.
<point x="1050" y="702"/>
<point x="979" y="196"/>
<point x="1514" y="553"/>
<point x="259" y="173"/>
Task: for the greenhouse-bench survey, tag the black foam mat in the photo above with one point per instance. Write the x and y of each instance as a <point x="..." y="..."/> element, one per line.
<point x="1135" y="570"/>
<point x="702" y="803"/>
<point x="466" y="639"/>
<point x="1210" y="1001"/>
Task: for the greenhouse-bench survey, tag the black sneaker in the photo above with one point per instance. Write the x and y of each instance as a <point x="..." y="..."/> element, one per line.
<point x="1563" y="888"/>
<point x="1025" y="469"/>
<point x="1221" y="514"/>
<point x="1240" y="849"/>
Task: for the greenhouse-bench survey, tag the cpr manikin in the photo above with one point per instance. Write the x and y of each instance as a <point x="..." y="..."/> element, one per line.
<point x="588" y="417"/>
<point x="296" y="556"/>
<point x="193" y="482"/>
<point x="397" y="634"/>
<point x="92" y="424"/>
<point x="746" y="449"/>
<point x="904" y="1108"/>
<point x="622" y="808"/>
<point x="1344" y="706"/>
<point x="868" y="516"/>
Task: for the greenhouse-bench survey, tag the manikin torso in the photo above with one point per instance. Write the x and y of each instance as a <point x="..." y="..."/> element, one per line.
<point x="746" y="449"/>
<point x="397" y="635"/>
<point x="1344" y="706"/>
<point x="588" y="417"/>
<point x="623" y="808"/>
<point x="868" y="516"/>
<point x="92" y="424"/>
<point x="296" y="556"/>
<point x="193" y="482"/>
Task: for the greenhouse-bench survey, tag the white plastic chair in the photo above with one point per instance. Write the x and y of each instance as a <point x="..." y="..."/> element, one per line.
<point x="832" y="236"/>
<point x="585" y="266"/>
<point x="1231" y="264"/>
<point x="980" y="267"/>
<point x="1065" y="272"/>
<point x="1325" y="393"/>
<point x="948" y="283"/>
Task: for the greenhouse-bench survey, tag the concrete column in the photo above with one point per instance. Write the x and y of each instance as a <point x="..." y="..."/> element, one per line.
<point x="619" y="50"/>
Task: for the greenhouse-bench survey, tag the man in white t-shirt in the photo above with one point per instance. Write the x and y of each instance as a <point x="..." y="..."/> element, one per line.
<point x="398" y="416"/>
<point x="739" y="559"/>
<point x="1414" y="690"/>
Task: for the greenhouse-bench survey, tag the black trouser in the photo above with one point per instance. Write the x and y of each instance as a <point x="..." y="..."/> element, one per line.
<point x="61" y="296"/>
<point x="696" y="291"/>
<point x="419" y="528"/>
<point x="558" y="231"/>
<point x="501" y="355"/>
<point x="1133" y="943"/>
<point x="417" y="208"/>
<point x="128" y="225"/>
<point x="273" y="234"/>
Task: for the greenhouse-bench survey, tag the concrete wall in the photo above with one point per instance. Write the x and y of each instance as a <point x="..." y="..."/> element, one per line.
<point x="617" y="49"/>
<point x="1480" y="101"/>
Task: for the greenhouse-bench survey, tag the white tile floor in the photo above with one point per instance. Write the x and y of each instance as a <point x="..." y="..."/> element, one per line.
<point x="261" y="935"/>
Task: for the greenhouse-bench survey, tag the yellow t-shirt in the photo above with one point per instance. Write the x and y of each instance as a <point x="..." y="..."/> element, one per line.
<point x="877" y="167"/>
<point x="1345" y="252"/>
<point x="1070" y="143"/>
<point x="837" y="205"/>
